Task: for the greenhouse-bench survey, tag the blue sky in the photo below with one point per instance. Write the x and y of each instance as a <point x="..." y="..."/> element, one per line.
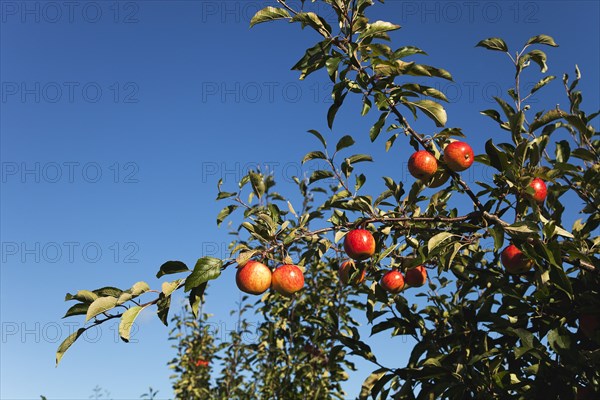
<point x="118" y="118"/>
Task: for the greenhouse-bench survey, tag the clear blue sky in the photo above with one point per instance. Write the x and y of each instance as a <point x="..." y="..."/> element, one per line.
<point x="118" y="119"/>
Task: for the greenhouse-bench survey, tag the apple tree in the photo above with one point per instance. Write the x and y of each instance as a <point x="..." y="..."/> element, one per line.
<point x="516" y="319"/>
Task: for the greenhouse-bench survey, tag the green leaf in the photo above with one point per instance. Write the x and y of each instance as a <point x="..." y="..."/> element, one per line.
<point x="314" y="155"/>
<point x="108" y="291"/>
<point x="319" y="174"/>
<point x="539" y="57"/>
<point x="366" y="106"/>
<point x="84" y="296"/>
<point x="225" y="195"/>
<point x="344" y="142"/>
<point x="333" y="109"/>
<point x="559" y="339"/>
<point x="127" y="320"/>
<point x="550" y="116"/>
<point x="313" y="20"/>
<point x="163" y="307"/>
<point x="559" y="279"/>
<point x="435" y="241"/>
<point x="376" y="128"/>
<point x="377" y="28"/>
<point x="495" y="44"/>
<point x="100" y="305"/>
<point x="206" y="268"/>
<point x="196" y="297"/>
<point x="169" y="287"/>
<point x="258" y="184"/>
<point x="509" y="111"/>
<point x="563" y="151"/>
<point x="225" y="212"/>
<point x="407" y="51"/>
<point x="542" y="39"/>
<point x="77" y="309"/>
<point x="543" y="82"/>
<point x="269" y="14"/>
<point x="498" y="158"/>
<point x="523" y="227"/>
<point x="313" y="59"/>
<point x="433" y="110"/>
<point x="64" y="346"/>
<point x="493" y="114"/>
<point x="498" y="234"/>
<point x="359" y="158"/>
<point x="124" y="298"/>
<point x="171" y="267"/>
<point x="316" y="134"/>
<point x="139" y="288"/>
<point x="371" y="380"/>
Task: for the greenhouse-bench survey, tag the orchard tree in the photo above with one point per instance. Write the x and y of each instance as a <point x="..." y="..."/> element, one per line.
<point x="519" y="319"/>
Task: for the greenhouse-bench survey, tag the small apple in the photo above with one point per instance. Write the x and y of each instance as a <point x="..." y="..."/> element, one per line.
<point x="540" y="190"/>
<point x="359" y="244"/>
<point x="458" y="156"/>
<point x="287" y="279"/>
<point x="392" y="281"/>
<point x="253" y="277"/>
<point x="352" y="274"/>
<point x="201" y="363"/>
<point x="589" y="324"/>
<point x="416" y="276"/>
<point x="514" y="260"/>
<point x="422" y="165"/>
<point x="438" y="179"/>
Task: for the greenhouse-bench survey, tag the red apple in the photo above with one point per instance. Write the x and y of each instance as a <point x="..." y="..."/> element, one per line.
<point x="540" y="190"/>
<point x="416" y="276"/>
<point x="514" y="260"/>
<point x="201" y="363"/>
<point x="287" y="279"/>
<point x="589" y="324"/>
<point x="392" y="281"/>
<point x="458" y="156"/>
<point x="253" y="277"/>
<point x="422" y="165"/>
<point x="352" y="274"/>
<point x="359" y="244"/>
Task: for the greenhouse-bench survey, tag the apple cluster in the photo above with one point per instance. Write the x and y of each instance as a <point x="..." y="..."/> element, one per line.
<point x="254" y="277"/>
<point x="459" y="156"/>
<point x="359" y="245"/>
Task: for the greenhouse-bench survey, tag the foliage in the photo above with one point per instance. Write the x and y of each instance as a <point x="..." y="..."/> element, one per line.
<point x="481" y="333"/>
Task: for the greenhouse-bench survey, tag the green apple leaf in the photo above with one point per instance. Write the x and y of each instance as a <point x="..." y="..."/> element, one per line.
<point x="206" y="268"/>
<point x="171" y="267"/>
<point x="269" y="14"/>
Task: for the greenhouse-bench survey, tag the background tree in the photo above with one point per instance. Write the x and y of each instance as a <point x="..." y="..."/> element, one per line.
<point x="495" y="323"/>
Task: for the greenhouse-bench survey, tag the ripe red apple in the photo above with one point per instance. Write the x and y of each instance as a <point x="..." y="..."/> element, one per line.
<point x="392" y="281"/>
<point x="201" y="363"/>
<point x="287" y="279"/>
<point x="359" y="244"/>
<point x="458" y="156"/>
<point x="352" y="274"/>
<point x="422" y="165"/>
<point x="514" y="260"/>
<point x="416" y="276"/>
<point x="540" y="190"/>
<point x="253" y="277"/>
<point x="589" y="324"/>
